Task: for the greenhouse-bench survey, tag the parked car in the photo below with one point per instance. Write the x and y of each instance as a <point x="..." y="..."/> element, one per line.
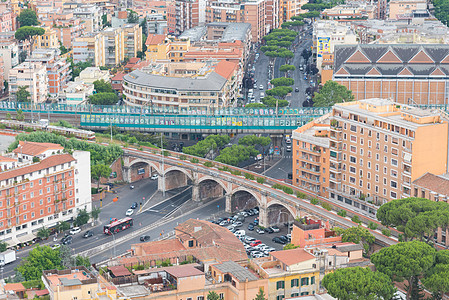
<point x="255" y="243"/>
<point x="261" y="87"/>
<point x="56" y="246"/>
<point x="250" y="226"/>
<point x="275" y="228"/>
<point x="297" y="89"/>
<point x="224" y="223"/>
<point x="260" y="230"/>
<point x="154" y="176"/>
<point x="134" y="205"/>
<point x="129" y="212"/>
<point x="284" y="238"/>
<point x="144" y="238"/>
<point x="256" y="222"/>
<point x="237" y="224"/>
<point x="239" y="232"/>
<point x="269" y="230"/>
<point x="88" y="234"/>
<point x="288" y="148"/>
<point x="75" y="230"/>
<point x="278" y="240"/>
<point x="249" y="239"/>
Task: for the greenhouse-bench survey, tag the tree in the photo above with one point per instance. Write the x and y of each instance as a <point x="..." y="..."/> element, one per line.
<point x="279" y="91"/>
<point x="255" y="105"/>
<point x="306" y="53"/>
<point x="358" y="283"/>
<point x="260" y="295"/>
<point x="236" y="154"/>
<point x="95" y="213"/>
<point x="22" y="94"/>
<point x="286" y="68"/>
<point x="103" y="99"/>
<point x="63" y="226"/>
<point x="358" y="235"/>
<point x="28" y="17"/>
<point x="82" y="261"/>
<point x="270" y="101"/>
<point x="290" y="246"/>
<point x="65" y="254"/>
<point x="102" y="86"/>
<point x="133" y="17"/>
<point x="28" y="33"/>
<point x="20" y="116"/>
<point x="40" y="258"/>
<point x="213" y="296"/>
<point x="43" y="233"/>
<point x="332" y="93"/>
<point x="100" y="171"/>
<point x="3" y="246"/>
<point x="282" y="81"/>
<point x="405" y="261"/>
<point x="82" y="218"/>
<point x="253" y="140"/>
<point x="436" y="278"/>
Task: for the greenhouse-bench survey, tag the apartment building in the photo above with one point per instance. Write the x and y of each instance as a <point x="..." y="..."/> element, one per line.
<point x="48" y="40"/>
<point x="327" y="34"/>
<point x="90" y="47"/>
<point x="357" y="10"/>
<point x="399" y="9"/>
<point x="42" y="193"/>
<point x="58" y="70"/>
<point x="162" y="47"/>
<point x="189" y="13"/>
<point x="8" y="21"/>
<point x="406" y="73"/>
<point x="114" y="45"/>
<point x="31" y="75"/>
<point x="132" y="36"/>
<point x="91" y="74"/>
<point x="311" y="156"/>
<point x="9" y="52"/>
<point x="90" y="14"/>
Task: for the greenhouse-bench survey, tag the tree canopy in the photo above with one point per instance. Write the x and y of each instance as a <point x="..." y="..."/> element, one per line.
<point x="102" y="86"/>
<point x="255" y="105"/>
<point x="332" y="93"/>
<point x="28" y="33"/>
<point x="236" y="154"/>
<point x="40" y="258"/>
<point x="82" y="218"/>
<point x="260" y="295"/>
<point x="28" y="17"/>
<point x="358" y="283"/>
<point x="103" y="99"/>
<point x="436" y="278"/>
<point x="270" y="101"/>
<point x="279" y="91"/>
<point x="357" y="235"/>
<point x="282" y="81"/>
<point x="253" y="140"/>
<point x="286" y="68"/>
<point x="405" y="261"/>
<point x="100" y="171"/>
<point x="203" y="147"/>
<point x="22" y="94"/>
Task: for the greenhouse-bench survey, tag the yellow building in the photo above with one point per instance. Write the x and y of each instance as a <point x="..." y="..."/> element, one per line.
<point x="161" y="47"/>
<point x="114" y="44"/>
<point x="48" y="40"/>
<point x="133" y="39"/>
<point x="290" y="273"/>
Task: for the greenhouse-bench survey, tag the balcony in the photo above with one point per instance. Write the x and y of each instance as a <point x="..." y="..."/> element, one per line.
<point x="315" y="181"/>
<point x="313" y="151"/>
<point x="313" y="170"/>
<point x="310" y="160"/>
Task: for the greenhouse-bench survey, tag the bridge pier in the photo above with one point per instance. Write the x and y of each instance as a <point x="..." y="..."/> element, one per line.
<point x="126" y="174"/>
<point x="263" y="216"/>
<point x="228" y="207"/>
<point x="196" y="192"/>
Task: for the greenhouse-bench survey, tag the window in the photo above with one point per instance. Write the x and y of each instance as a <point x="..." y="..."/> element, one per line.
<point x="353" y="149"/>
<point x="40" y="181"/>
<point x="353" y="138"/>
<point x="394" y="173"/>
<point x="41" y="202"/>
<point x="312" y="280"/>
<point x="24" y="207"/>
<point x="353" y="128"/>
<point x="280" y="284"/>
<point x="393" y="195"/>
<point x="394" y="162"/>
<point x="394" y="184"/>
<point x="190" y="243"/>
<point x="353" y="159"/>
<point x="304" y="281"/>
<point x="295" y="282"/>
<point x="42" y="212"/>
<point x="200" y="298"/>
<point x="221" y="296"/>
<point x="280" y="297"/>
<point x="24" y="217"/>
<point x="294" y="295"/>
<point x="352" y="170"/>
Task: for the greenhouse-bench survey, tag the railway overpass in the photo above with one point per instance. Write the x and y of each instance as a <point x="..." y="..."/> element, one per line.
<point x="240" y="187"/>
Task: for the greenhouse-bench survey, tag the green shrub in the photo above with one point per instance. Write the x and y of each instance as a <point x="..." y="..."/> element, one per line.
<point x="386" y="232"/>
<point x="301" y="195"/>
<point x="372" y="225"/>
<point x="182" y="157"/>
<point x="287" y="190"/>
<point x="356" y="219"/>
<point x="342" y="213"/>
<point x="236" y="172"/>
<point x="277" y="186"/>
<point x="166" y="153"/>
<point x="208" y="164"/>
<point x="326" y="206"/>
<point x="224" y="169"/>
<point x="194" y="160"/>
<point x="314" y="201"/>
<point x="260" y="180"/>
<point x="249" y="176"/>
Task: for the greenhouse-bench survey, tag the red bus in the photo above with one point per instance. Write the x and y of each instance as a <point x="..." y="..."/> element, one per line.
<point x="118" y="225"/>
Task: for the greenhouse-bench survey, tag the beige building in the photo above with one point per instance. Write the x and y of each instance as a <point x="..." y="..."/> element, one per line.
<point x="400" y="9"/>
<point x="89" y="47"/>
<point x="114" y="45"/>
<point x="31" y="75"/>
<point x="48" y="40"/>
<point x="91" y="74"/>
<point x="132" y="39"/>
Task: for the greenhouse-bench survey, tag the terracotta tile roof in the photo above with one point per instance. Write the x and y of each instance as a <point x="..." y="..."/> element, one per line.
<point x="226" y="68"/>
<point x="292" y="256"/>
<point x="158" y="247"/>
<point x="34" y="149"/>
<point x="16" y="287"/>
<point x="183" y="271"/>
<point x="48" y="162"/>
<point x="133" y="60"/>
<point x="332" y="252"/>
<point x="437" y="184"/>
<point x="6" y="159"/>
<point x="41" y="292"/>
<point x="118" y="76"/>
<point x="155" y="39"/>
<point x="118" y="271"/>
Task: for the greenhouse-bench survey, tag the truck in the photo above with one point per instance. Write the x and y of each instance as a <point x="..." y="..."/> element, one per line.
<point x="7" y="257"/>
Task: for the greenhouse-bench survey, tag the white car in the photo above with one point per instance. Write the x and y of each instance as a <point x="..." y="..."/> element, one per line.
<point x="56" y="246"/>
<point x="75" y="230"/>
<point x="129" y="212"/>
<point x="240" y="232"/>
<point x="154" y="177"/>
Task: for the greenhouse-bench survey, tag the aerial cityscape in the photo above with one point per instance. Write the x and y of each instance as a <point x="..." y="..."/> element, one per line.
<point x="219" y="149"/>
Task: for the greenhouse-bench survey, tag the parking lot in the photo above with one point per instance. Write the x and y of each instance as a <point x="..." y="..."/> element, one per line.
<point x="265" y="238"/>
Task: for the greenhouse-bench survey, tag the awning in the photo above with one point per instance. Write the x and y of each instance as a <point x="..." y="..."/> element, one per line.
<point x="12" y="242"/>
<point x="26" y="238"/>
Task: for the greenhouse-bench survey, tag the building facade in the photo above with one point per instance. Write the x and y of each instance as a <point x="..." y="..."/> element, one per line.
<point x="31" y="75"/>
<point x="405" y="73"/>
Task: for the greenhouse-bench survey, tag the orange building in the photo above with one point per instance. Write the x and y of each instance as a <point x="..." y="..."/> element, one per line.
<point x="409" y="74"/>
<point x="312" y="232"/>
